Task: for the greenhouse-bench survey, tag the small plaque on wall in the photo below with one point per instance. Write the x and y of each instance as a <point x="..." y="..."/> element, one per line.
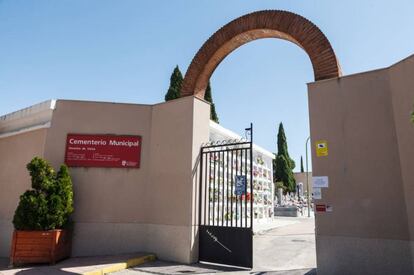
<point x="320" y="182"/>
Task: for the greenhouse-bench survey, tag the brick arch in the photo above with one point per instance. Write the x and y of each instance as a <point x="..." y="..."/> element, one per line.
<point x="261" y="24"/>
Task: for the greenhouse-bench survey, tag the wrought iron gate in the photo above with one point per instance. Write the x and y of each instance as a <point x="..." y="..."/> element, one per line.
<point x="226" y="202"/>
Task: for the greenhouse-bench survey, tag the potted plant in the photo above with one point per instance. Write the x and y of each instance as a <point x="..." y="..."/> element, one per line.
<point x="41" y="219"/>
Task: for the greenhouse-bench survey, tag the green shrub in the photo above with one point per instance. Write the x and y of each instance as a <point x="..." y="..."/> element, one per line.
<point x="42" y="174"/>
<point x="31" y="212"/>
<point x="412" y="117"/>
<point x="50" y="203"/>
<point x="63" y="189"/>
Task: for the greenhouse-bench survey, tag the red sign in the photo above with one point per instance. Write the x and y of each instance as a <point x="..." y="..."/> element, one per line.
<point x="103" y="151"/>
<point x="320" y="207"/>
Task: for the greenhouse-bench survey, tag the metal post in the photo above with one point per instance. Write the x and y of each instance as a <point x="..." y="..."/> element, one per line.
<point x="307" y="176"/>
<point x="251" y="176"/>
<point x="250" y="131"/>
<point x="200" y="186"/>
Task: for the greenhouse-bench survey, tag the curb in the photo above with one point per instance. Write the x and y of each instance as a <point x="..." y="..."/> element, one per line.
<point x="122" y="265"/>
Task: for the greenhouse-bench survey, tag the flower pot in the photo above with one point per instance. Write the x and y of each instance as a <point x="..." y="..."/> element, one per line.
<point x="40" y="246"/>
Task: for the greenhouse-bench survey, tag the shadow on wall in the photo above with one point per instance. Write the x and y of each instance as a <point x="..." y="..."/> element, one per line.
<point x="195" y="175"/>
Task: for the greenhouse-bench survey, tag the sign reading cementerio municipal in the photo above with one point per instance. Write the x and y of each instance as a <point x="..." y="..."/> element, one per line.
<point x="118" y="151"/>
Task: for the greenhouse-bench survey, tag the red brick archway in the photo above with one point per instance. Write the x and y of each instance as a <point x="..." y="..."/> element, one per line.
<point x="262" y="24"/>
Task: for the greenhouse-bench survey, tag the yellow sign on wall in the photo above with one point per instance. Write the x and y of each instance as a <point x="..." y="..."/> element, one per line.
<point x="321" y="148"/>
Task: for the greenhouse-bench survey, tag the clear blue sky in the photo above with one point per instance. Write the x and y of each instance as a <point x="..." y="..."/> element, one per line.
<point x="125" y="51"/>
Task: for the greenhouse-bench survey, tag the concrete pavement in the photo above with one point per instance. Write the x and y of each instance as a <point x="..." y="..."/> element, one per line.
<point x="287" y="249"/>
<point x="164" y="268"/>
<point x="262" y="227"/>
<point x="82" y="265"/>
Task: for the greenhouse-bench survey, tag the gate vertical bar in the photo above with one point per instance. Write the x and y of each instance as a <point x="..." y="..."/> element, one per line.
<point x="245" y="190"/>
<point x="227" y="189"/>
<point x="206" y="186"/>
<point x="240" y="153"/>
<point x="222" y="194"/>
<point x="251" y="176"/>
<point x="214" y="187"/>
<point x="237" y="171"/>
<point x="200" y="187"/>
<point x="218" y="187"/>
<point x="241" y="202"/>
<point x="210" y="179"/>
<point x="231" y="193"/>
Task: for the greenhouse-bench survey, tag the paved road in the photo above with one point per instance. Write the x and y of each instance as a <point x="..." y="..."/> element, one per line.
<point x="286" y="250"/>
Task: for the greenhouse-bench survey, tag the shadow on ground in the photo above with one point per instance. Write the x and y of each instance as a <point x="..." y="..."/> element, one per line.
<point x="78" y="265"/>
<point x="4" y="262"/>
<point x="287" y="272"/>
<point x="162" y="267"/>
<point x="170" y="268"/>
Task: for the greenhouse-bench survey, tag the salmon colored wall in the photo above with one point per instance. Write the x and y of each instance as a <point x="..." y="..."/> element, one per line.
<point x="119" y="210"/>
<point x="16" y="151"/>
<point x="146" y="209"/>
<point x="365" y="119"/>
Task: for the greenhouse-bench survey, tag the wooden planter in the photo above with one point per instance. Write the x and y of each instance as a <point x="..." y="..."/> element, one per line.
<point x="40" y="246"/>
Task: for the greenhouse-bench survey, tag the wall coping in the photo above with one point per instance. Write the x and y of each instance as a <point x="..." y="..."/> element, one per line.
<point x="31" y="118"/>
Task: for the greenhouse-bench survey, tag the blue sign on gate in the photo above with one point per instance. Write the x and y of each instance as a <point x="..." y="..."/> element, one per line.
<point x="240" y="185"/>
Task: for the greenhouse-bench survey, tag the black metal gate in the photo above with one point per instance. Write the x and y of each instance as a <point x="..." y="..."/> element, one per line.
<point x="226" y="202"/>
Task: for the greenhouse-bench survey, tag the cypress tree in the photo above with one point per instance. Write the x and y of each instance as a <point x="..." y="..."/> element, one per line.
<point x="301" y="165"/>
<point x="208" y="97"/>
<point x="176" y="80"/>
<point x="284" y="165"/>
<point x="282" y="148"/>
<point x="284" y="173"/>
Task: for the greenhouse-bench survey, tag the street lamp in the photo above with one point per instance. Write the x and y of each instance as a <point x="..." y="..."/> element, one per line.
<point x="307" y="176"/>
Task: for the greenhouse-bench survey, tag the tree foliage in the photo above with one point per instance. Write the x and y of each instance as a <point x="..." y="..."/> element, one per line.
<point x="49" y="204"/>
<point x="285" y="174"/>
<point x="176" y="80"/>
<point x="412" y="116"/>
<point x="274" y="168"/>
<point x="31" y="212"/>
<point x="208" y="97"/>
<point x="41" y="173"/>
<point x="283" y="164"/>
<point x="174" y="92"/>
<point x="301" y="165"/>
<point x="282" y="147"/>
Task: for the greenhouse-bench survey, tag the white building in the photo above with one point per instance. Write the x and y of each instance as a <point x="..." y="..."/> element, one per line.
<point x="263" y="189"/>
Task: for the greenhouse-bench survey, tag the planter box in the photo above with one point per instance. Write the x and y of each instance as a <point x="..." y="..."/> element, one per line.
<point x="40" y="246"/>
